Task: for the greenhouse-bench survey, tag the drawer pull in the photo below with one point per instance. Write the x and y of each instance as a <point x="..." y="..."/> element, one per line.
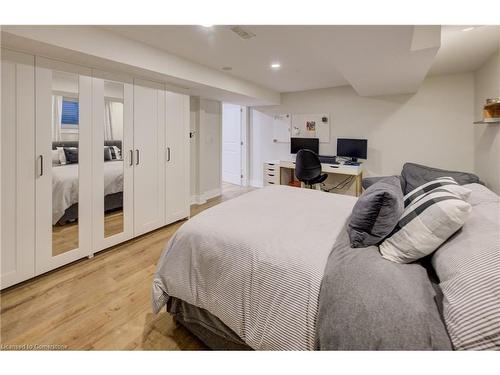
<point x="269" y="182"/>
<point x="270" y="169"/>
<point x="272" y="165"/>
<point x="270" y="175"/>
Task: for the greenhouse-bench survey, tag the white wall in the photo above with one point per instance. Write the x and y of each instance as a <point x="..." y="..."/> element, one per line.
<point x="206" y="120"/>
<point x="432" y="127"/>
<point x="487" y="137"/>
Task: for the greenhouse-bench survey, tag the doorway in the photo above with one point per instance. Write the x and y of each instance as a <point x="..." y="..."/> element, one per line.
<point x="233" y="131"/>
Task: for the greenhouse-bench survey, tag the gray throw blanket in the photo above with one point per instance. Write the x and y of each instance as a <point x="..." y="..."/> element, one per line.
<point x="369" y="303"/>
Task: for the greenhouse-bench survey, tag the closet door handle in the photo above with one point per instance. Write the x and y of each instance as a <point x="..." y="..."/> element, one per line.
<point x="168" y="153"/>
<point x="41" y="165"/>
<point x="131" y="157"/>
<point x="137" y="160"/>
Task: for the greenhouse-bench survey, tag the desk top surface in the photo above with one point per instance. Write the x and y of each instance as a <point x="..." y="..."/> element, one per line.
<point x="326" y="168"/>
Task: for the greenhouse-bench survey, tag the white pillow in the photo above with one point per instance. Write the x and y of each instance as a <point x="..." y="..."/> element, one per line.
<point x="425" y="224"/>
<point x="62" y="155"/>
<point x="442" y="183"/>
<point x="55" y="157"/>
<point x="118" y="154"/>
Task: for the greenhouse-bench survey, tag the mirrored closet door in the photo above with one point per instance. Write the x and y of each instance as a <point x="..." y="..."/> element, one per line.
<point x="63" y="150"/>
<point x="112" y="159"/>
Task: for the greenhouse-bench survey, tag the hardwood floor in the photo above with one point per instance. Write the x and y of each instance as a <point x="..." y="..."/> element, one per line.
<point x="65" y="237"/>
<point x="101" y="303"/>
<point x="113" y="223"/>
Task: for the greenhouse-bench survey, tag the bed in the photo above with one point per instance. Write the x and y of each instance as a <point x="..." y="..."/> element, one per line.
<point x="65" y="186"/>
<point x="273" y="270"/>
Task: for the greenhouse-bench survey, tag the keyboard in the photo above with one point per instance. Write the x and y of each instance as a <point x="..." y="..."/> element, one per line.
<point x="327" y="159"/>
<point x="354" y="163"/>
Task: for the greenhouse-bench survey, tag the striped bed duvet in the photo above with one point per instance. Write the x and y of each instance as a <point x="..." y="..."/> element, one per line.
<point x="256" y="262"/>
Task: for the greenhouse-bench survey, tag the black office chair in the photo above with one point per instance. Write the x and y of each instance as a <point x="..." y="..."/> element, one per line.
<point x="308" y="168"/>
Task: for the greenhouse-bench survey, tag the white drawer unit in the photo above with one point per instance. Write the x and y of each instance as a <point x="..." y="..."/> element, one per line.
<point x="271" y="173"/>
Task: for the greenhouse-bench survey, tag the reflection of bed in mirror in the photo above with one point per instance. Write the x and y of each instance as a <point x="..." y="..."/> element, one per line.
<point x="65" y="186"/>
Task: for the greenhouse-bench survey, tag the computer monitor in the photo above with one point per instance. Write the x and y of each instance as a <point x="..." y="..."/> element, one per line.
<point x="352" y="148"/>
<point x="297" y="144"/>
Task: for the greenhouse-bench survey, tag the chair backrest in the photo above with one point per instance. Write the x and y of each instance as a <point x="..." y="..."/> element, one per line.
<point x="307" y="165"/>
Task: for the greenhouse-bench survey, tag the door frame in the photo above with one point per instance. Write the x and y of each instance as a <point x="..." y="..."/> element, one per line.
<point x="242" y="146"/>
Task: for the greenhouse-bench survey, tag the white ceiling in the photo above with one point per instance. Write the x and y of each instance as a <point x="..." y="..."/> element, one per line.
<point x="311" y="57"/>
<point x="304" y="62"/>
<point x="465" y="51"/>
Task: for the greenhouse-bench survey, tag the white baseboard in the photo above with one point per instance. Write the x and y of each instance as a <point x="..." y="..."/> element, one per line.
<point x="196" y="199"/>
<point x="211" y="194"/>
<point x="203" y="197"/>
<point x="256" y="183"/>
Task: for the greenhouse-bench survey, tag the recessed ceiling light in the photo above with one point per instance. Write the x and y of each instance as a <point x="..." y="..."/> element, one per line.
<point x="468" y="28"/>
<point x="275" y="65"/>
<point x="207" y="25"/>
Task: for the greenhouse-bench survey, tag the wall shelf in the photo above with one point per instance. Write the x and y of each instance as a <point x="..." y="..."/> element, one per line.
<point x="487" y="122"/>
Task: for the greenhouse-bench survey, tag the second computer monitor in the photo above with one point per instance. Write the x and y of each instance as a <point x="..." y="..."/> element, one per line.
<point x="352" y="148"/>
<point x="297" y="144"/>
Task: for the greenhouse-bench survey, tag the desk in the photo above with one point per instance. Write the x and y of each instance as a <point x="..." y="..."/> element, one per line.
<point x="282" y="172"/>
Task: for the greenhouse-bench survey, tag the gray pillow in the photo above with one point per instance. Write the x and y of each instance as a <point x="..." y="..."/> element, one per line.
<point x="107" y="153"/>
<point x="369" y="181"/>
<point x="376" y="212"/>
<point x="71" y="154"/>
<point x="416" y="175"/>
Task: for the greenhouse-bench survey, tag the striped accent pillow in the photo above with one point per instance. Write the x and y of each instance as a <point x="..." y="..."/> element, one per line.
<point x="425" y="224"/>
<point x="444" y="183"/>
<point x="468" y="268"/>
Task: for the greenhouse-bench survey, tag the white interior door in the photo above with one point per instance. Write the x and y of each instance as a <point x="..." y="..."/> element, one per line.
<point x="64" y="179"/>
<point x="177" y="157"/>
<point x="231" y="143"/>
<point x="114" y="173"/>
<point x="17" y="168"/>
<point x="149" y="156"/>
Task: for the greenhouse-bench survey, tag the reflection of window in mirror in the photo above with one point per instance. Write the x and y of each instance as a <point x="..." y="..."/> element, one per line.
<point x="65" y="107"/>
<point x="69" y="113"/>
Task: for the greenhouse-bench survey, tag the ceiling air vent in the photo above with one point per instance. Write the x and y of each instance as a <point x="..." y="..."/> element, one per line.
<point x="242" y="33"/>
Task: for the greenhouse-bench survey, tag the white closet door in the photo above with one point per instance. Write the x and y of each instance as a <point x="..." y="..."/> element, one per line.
<point x="63" y="115"/>
<point x="113" y="179"/>
<point x="149" y="156"/>
<point x="17" y="168"/>
<point x="177" y="163"/>
<point x="231" y="143"/>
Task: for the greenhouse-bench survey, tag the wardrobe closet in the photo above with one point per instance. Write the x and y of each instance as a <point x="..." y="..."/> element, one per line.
<point x="89" y="159"/>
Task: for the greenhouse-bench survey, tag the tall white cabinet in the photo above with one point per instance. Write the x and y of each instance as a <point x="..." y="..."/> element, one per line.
<point x="151" y="178"/>
<point x="17" y="134"/>
<point x="177" y="158"/>
<point x="149" y="160"/>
